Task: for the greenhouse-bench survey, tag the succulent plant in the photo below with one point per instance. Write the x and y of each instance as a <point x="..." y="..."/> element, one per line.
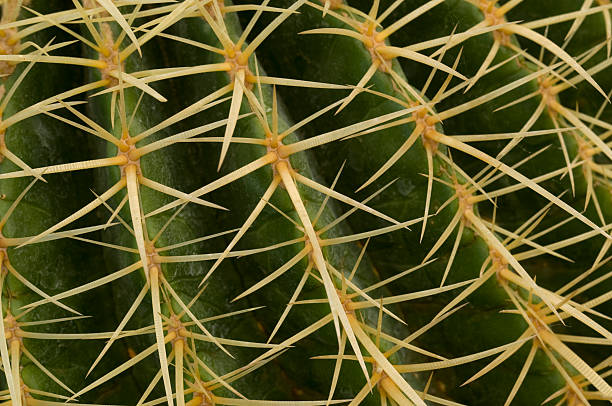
<point x="293" y="202"/>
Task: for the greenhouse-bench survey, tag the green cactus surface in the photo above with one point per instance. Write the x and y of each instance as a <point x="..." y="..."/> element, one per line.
<point x="306" y="202"/>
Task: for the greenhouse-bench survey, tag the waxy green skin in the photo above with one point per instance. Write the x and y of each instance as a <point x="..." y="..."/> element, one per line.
<point x="58" y="265"/>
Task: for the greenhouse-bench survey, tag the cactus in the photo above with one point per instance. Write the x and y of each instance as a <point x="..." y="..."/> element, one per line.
<point x="305" y="203"/>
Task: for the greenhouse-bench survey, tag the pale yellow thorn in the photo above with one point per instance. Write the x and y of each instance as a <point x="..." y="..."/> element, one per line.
<point x="336" y="31"/>
<point x="454" y="39"/>
<point x="115" y="213"/>
<point x="197" y="322"/>
<point x="222" y="181"/>
<point x="511" y="172"/>
<point x="183" y="114"/>
<point x="13" y="205"/>
<point x="389" y="51"/>
<point x="277" y="273"/>
<point x="337" y="367"/>
<point x="445" y="234"/>
<point x="86" y="16"/>
<point x="36" y="290"/>
<point x="210" y="385"/>
<point x="337" y="310"/>
<point x="17" y="161"/>
<point x="4" y="350"/>
<point x="557" y="51"/>
<point x="464" y="294"/>
<point x="368" y="234"/>
<point x="308" y="119"/>
<point x="430" y="177"/>
<point x="577" y="23"/>
<point x="227" y="341"/>
<point x="294" y="297"/>
<point x="352" y="210"/>
<point x="519" y="186"/>
<point x="140" y="84"/>
<point x="358" y="261"/>
<point x="342" y="198"/>
<point x="522" y="374"/>
<point x="79" y="213"/>
<point x="507" y="353"/>
<point x="263" y="34"/>
<point x="47" y="104"/>
<point x="421" y="331"/>
<point x="153" y="384"/>
<point x="360" y="292"/>
<point x="572" y="308"/>
<point x="360" y="85"/>
<point x="131" y="177"/>
<point x="45" y="370"/>
<point x="608" y="24"/>
<point x="442" y="89"/>
<point x="50" y="321"/>
<point x="116" y="14"/>
<point x="250" y="402"/>
<point x="494" y="243"/>
<point x="471" y="104"/>
<point x="270" y="80"/>
<point x="396" y="276"/>
<point x="195" y="240"/>
<point x="505" y="136"/>
<point x="178" y="373"/>
<point x="63" y="168"/>
<point x="119" y="329"/>
<point x="556" y="19"/>
<point x="208" y="257"/>
<point x="165" y="22"/>
<point x="431" y="366"/>
<point x="15" y="358"/>
<point x="86" y="287"/>
<point x="67" y="60"/>
<point x="414" y="295"/>
<point x="99" y="131"/>
<point x="485" y="64"/>
<point x="402" y="83"/>
<point x="176" y="193"/>
<point x="295" y="338"/>
<point x="159" y="331"/>
<point x="365" y="390"/>
<point x="574" y="120"/>
<point x="521" y="240"/>
<point x="186" y="136"/>
<point x="399" y="343"/>
<point x="407" y="18"/>
<point x="577" y="362"/>
<point x="233" y="114"/>
<point x="381" y="361"/>
<point x="8" y="96"/>
<point x="395" y="157"/>
<point x="340" y="133"/>
<point x="123" y="367"/>
<point x="390" y="389"/>
<point x="583" y="340"/>
<point x="453" y="253"/>
<point x="216" y="23"/>
<point x="153" y="75"/>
